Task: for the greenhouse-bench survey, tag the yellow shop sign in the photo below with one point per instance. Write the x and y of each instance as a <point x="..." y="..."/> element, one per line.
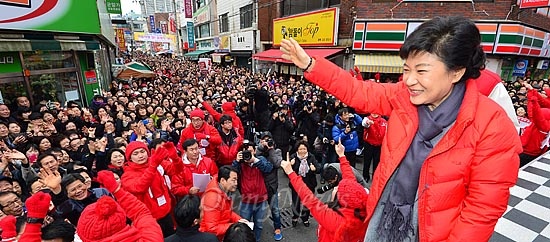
<point x="319" y="28"/>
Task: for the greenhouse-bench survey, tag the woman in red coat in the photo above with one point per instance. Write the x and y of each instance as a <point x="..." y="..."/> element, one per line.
<point x="450" y="154"/>
<point x="344" y="223"/>
<point x="143" y="177"/>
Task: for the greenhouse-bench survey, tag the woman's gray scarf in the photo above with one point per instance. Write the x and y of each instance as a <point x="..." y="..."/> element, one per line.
<point x="395" y="224"/>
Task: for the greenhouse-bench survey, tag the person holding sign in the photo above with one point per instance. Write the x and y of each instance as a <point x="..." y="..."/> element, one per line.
<point x="343" y="221"/>
<point x="450" y="154"/>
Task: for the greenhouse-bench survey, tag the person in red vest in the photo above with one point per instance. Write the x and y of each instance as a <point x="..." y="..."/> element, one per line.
<point x="375" y="130"/>
<point x="193" y="163"/>
<point x="207" y="136"/>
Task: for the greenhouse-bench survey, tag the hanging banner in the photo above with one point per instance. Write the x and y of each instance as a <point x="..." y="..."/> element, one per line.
<point x="188" y="9"/>
<point x="113" y="6"/>
<point x="534" y="3"/>
<point x="319" y="28"/>
<point x="152" y="24"/>
<point x="121" y="42"/>
<point x="172" y="20"/>
<point x="520" y="68"/>
<point x="154" y="37"/>
<point x="191" y="35"/>
<point x="164" y="27"/>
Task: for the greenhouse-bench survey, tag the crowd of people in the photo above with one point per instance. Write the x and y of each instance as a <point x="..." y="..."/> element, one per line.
<point x="169" y="153"/>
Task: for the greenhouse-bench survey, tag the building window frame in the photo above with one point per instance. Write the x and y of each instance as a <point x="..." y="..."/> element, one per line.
<point x="246" y="16"/>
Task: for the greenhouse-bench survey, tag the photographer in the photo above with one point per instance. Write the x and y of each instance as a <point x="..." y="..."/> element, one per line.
<point x="252" y="185"/>
<point x="281" y="128"/>
<point x="308" y="119"/>
<point x="325" y="148"/>
<point x="273" y="155"/>
<point x="345" y="130"/>
<point x="332" y="174"/>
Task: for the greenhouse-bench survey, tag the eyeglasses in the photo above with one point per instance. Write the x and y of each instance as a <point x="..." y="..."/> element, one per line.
<point x="12" y="203"/>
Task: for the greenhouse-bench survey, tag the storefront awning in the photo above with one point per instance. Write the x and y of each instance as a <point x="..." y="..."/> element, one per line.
<point x="379" y="63"/>
<point x="274" y="55"/>
<point x="33" y="44"/>
<point x="196" y="53"/>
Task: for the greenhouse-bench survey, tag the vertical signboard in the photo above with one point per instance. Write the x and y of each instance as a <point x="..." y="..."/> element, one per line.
<point x="188" y="9"/>
<point x="152" y="23"/>
<point x="121" y="42"/>
<point x="191" y="35"/>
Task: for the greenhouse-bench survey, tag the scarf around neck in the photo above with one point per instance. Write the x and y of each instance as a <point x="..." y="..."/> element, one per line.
<point x="396" y="221"/>
<point x="304" y="168"/>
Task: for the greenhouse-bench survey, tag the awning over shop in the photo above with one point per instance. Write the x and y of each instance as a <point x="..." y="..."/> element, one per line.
<point x="196" y="53"/>
<point x="217" y="57"/>
<point x="379" y="63"/>
<point x="135" y="70"/>
<point x="40" y="44"/>
<point x="274" y="55"/>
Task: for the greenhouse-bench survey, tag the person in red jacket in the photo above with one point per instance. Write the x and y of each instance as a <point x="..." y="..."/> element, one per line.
<point x="207" y="136"/>
<point x="105" y="220"/>
<point x="217" y="204"/>
<point x="375" y="130"/>
<point x="451" y="154"/>
<point x="228" y="108"/>
<point x="345" y="222"/>
<point x="143" y="177"/>
<point x="231" y="142"/>
<point x="535" y="136"/>
<point x="193" y="163"/>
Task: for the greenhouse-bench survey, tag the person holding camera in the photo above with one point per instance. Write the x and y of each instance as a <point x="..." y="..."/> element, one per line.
<point x="253" y="190"/>
<point x="268" y="150"/>
<point x="332" y="174"/>
<point x="325" y="148"/>
<point x="281" y="128"/>
<point x="306" y="166"/>
<point x="308" y="120"/>
<point x="345" y="130"/>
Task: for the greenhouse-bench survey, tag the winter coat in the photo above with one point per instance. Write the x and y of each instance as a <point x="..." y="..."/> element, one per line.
<point x="281" y="131"/>
<point x="374" y="134"/>
<point x="72" y="209"/>
<point x="307" y="124"/>
<point x="149" y="186"/>
<point x="534" y="135"/>
<point x="183" y="181"/>
<point x="218" y="213"/>
<point x="333" y="226"/>
<point x="350" y="140"/>
<point x="229" y="110"/>
<point x="310" y="179"/>
<point x="271" y="179"/>
<point x="199" y="134"/>
<point x="464" y="182"/>
<point x="229" y="148"/>
<point x="251" y="179"/>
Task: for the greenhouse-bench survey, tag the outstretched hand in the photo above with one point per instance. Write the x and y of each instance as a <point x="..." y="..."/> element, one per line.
<point x="292" y="51"/>
<point x="286" y="165"/>
<point x="339" y="148"/>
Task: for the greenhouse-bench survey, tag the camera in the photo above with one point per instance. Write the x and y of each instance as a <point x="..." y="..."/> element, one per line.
<point x="247" y="155"/>
<point x="325" y="188"/>
<point x="270" y="142"/>
<point x="352" y="125"/>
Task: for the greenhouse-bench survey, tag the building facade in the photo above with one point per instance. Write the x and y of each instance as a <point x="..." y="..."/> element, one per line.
<point x="63" y="54"/>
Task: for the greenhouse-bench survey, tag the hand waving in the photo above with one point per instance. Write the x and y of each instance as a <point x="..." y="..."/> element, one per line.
<point x="292" y="51"/>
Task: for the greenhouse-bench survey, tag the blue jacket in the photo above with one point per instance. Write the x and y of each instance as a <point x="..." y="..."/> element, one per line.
<point x="351" y="140"/>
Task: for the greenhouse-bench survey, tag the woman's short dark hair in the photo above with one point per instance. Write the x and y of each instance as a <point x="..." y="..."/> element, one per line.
<point x="301" y="142"/>
<point x="239" y="232"/>
<point x="455" y="40"/>
<point x="111" y="151"/>
<point x="187" y="210"/>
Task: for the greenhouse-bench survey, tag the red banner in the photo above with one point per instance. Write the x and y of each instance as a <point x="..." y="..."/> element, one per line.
<point x="188" y="9"/>
<point x="173" y="26"/>
<point x="534" y="3"/>
<point x="121" y="42"/>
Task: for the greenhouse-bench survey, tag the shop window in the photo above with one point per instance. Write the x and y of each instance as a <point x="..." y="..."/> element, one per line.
<point x="202" y="31"/>
<point x="247" y="16"/>
<point x="46" y="60"/>
<point x="58" y="87"/>
<point x="296" y="7"/>
<point x="224" y="23"/>
<point x="11" y="88"/>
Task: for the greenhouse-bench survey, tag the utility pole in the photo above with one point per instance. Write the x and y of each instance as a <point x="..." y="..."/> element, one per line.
<point x="176" y="22"/>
